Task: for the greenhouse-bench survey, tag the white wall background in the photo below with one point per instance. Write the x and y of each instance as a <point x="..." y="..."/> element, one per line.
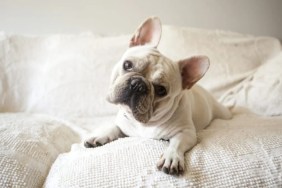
<point x="257" y="17"/>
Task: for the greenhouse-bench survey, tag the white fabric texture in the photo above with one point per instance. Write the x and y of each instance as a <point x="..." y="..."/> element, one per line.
<point x="261" y="92"/>
<point x="243" y="152"/>
<point x="233" y="56"/>
<point x="29" y="145"/>
<point x="62" y="75"/>
<point x="68" y="75"/>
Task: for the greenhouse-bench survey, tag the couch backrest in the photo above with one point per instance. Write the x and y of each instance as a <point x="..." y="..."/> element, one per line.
<point x="58" y="74"/>
<point x="233" y="56"/>
<point x="68" y="75"/>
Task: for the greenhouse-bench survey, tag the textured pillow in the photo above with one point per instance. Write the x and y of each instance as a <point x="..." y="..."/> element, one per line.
<point x="29" y="145"/>
<point x="63" y="75"/>
<point x="262" y="91"/>
<point x="233" y="56"/>
<point x="242" y="152"/>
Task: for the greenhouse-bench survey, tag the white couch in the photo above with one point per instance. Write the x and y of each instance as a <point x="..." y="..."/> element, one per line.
<point x="52" y="96"/>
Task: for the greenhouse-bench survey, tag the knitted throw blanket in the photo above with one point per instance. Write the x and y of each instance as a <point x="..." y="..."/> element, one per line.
<point x="243" y="152"/>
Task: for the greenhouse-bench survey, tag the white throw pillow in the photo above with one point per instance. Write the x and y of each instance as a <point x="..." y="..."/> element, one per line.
<point x="29" y="145"/>
<point x="62" y="75"/>
<point x="262" y="91"/>
<point x="242" y="152"/>
<point x="233" y="56"/>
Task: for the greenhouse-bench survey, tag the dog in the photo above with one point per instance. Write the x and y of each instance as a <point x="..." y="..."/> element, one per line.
<point x="158" y="98"/>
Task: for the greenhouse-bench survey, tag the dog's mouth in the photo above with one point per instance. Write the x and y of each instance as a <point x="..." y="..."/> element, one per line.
<point x="140" y="109"/>
<point x="134" y="93"/>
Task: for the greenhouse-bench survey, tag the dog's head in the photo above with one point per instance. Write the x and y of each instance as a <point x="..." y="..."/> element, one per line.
<point x="145" y="82"/>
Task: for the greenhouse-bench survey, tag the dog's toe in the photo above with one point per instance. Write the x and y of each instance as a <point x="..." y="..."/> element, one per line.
<point x="180" y="170"/>
<point x="173" y="171"/>
<point x="171" y="163"/>
<point x="166" y="170"/>
<point x="87" y="144"/>
<point x="98" y="144"/>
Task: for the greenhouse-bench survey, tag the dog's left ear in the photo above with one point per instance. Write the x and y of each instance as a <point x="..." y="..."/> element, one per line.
<point x="193" y="69"/>
<point x="149" y="32"/>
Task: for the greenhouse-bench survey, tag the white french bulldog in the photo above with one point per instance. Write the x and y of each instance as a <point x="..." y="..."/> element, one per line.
<point x="158" y="98"/>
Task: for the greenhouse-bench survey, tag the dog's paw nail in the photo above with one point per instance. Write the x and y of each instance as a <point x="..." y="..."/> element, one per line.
<point x="180" y="170"/>
<point x="88" y="145"/>
<point x="98" y="144"/>
<point x="165" y="170"/>
<point x="174" y="171"/>
<point x="160" y="163"/>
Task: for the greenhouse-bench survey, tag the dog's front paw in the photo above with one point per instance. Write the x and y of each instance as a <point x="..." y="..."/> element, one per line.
<point x="106" y="136"/>
<point x="171" y="162"/>
<point x="96" y="141"/>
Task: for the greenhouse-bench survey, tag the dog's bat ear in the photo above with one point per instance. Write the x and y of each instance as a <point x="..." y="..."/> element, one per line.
<point x="149" y="32"/>
<point x="193" y="69"/>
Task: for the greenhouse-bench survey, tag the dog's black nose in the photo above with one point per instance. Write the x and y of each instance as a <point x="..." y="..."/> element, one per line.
<point x="138" y="85"/>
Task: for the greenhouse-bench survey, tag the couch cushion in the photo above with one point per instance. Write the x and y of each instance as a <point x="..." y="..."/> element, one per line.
<point x="233" y="56"/>
<point x="242" y="152"/>
<point x="29" y="145"/>
<point x="262" y="91"/>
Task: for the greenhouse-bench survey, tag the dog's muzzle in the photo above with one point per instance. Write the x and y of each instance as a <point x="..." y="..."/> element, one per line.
<point x="134" y="92"/>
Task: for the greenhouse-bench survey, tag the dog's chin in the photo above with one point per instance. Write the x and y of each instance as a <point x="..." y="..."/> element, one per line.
<point x="141" y="117"/>
<point x="138" y="107"/>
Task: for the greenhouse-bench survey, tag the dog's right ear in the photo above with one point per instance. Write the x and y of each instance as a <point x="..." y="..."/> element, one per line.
<point x="148" y="33"/>
<point x="193" y="69"/>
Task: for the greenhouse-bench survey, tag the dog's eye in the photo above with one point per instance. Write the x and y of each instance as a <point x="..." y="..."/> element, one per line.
<point x="160" y="90"/>
<point x="127" y="65"/>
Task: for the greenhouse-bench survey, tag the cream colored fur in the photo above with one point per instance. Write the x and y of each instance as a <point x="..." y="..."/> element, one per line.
<point x="177" y="115"/>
